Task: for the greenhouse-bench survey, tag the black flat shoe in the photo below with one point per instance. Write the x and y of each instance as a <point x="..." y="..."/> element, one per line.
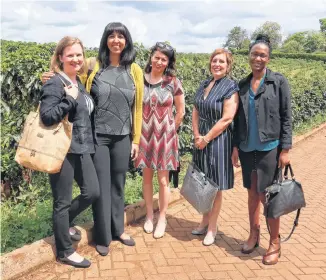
<point x="76" y="236"/>
<point x="102" y="250"/>
<point x="84" y="264"/>
<point x="127" y="242"/>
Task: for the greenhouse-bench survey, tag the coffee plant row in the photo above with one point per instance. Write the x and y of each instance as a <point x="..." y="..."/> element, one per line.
<point x="22" y="63"/>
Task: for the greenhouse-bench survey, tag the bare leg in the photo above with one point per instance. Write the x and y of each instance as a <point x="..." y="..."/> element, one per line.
<point x="214" y="213"/>
<point x="148" y="191"/>
<point x="254" y="211"/>
<point x="274" y="251"/>
<point x="164" y="195"/>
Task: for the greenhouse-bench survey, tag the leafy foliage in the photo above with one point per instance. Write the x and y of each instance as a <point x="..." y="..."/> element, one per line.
<point x="237" y="38"/>
<point x="273" y="30"/>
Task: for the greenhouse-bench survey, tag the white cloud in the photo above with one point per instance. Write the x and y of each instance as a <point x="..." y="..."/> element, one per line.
<point x="190" y="26"/>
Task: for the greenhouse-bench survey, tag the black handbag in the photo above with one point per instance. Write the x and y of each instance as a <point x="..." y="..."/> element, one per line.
<point x="283" y="197"/>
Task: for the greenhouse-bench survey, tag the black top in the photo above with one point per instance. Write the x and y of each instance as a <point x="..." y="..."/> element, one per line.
<point x="55" y="105"/>
<point x="113" y="91"/>
<point x="273" y="110"/>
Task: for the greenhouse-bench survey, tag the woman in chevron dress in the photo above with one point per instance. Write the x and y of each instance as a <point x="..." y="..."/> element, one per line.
<point x="158" y="148"/>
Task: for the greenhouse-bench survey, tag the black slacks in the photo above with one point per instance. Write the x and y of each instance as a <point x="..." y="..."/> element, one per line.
<point x="111" y="161"/>
<point x="80" y="168"/>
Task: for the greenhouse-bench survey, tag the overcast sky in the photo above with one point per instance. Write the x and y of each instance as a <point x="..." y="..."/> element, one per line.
<point x="190" y="26"/>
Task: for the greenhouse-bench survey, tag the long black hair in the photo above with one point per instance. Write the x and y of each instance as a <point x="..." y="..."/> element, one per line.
<point x="128" y="54"/>
<point x="169" y="52"/>
<point x="262" y="39"/>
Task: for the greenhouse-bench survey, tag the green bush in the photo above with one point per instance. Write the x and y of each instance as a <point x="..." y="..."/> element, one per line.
<point x="318" y="56"/>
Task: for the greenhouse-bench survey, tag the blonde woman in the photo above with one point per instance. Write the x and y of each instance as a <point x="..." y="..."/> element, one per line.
<point x="68" y="60"/>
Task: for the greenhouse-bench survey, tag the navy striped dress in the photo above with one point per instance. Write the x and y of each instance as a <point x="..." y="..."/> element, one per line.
<point x="215" y="159"/>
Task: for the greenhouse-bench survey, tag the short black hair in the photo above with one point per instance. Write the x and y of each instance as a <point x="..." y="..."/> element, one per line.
<point x="262" y="39"/>
<point x="128" y="54"/>
<point x="170" y="68"/>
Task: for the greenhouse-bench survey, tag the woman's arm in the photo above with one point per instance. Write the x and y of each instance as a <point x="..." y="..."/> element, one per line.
<point x="286" y="123"/>
<point x="230" y="107"/>
<point x="179" y="102"/>
<point x="55" y="104"/>
<point x="138" y="77"/>
<point x="195" y="122"/>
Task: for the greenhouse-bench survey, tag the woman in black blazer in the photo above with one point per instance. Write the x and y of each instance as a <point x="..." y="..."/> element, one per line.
<point x="56" y="102"/>
<point x="262" y="139"/>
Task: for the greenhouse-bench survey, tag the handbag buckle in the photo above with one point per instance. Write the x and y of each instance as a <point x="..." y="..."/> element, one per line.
<point x="267" y="196"/>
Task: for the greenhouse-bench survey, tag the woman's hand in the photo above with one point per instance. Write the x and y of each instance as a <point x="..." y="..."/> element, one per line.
<point x="235" y="157"/>
<point x="200" y="143"/>
<point x="46" y="76"/>
<point x="134" y="151"/>
<point x="72" y="91"/>
<point x="284" y="158"/>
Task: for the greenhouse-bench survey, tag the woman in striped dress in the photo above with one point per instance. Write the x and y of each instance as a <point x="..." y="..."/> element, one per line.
<point x="216" y="103"/>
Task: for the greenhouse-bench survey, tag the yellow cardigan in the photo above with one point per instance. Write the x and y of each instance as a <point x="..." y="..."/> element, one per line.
<point x="137" y="75"/>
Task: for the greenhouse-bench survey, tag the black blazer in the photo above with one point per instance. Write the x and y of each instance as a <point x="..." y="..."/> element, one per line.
<point x="55" y="105"/>
<point x="273" y="109"/>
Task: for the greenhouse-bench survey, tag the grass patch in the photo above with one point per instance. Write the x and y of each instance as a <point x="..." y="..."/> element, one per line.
<point x="310" y="124"/>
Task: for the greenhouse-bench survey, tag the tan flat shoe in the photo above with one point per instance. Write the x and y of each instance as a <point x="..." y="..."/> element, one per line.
<point x="209" y="239"/>
<point x="148" y="226"/>
<point x="160" y="229"/>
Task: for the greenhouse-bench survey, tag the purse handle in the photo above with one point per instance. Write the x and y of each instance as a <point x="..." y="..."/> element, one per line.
<point x="279" y="179"/>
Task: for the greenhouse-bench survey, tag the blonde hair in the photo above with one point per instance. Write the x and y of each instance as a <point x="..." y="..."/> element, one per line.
<point x="66" y="41"/>
<point x="229" y="59"/>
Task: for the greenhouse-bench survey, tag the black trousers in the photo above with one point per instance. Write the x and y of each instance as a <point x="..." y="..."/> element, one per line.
<point x="111" y="162"/>
<point x="80" y="168"/>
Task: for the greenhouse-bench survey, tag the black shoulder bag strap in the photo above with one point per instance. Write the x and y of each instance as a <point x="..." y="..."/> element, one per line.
<point x="296" y="220"/>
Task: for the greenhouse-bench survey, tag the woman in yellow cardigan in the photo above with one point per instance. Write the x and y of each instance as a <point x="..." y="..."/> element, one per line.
<point x="116" y="84"/>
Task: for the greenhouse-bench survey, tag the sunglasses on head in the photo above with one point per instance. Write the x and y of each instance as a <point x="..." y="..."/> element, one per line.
<point x="162" y="45"/>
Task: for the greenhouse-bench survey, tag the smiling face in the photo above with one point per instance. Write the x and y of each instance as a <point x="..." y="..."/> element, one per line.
<point x="72" y="59"/>
<point x="159" y="62"/>
<point x="219" y="66"/>
<point x="116" y="43"/>
<point x="259" y="57"/>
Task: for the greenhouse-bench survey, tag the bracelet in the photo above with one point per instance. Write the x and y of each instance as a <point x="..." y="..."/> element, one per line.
<point x="205" y="140"/>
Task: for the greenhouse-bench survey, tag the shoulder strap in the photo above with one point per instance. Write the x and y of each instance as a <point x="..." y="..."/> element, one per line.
<point x="295" y="224"/>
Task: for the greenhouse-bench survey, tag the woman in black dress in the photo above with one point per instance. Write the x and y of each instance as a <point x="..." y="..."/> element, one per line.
<point x="262" y="139"/>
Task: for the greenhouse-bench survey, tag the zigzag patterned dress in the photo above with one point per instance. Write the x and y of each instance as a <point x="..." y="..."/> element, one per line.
<point x="158" y="148"/>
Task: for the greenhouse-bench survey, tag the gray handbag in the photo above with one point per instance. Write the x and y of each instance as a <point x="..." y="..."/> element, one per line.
<point x="283" y="197"/>
<point x="198" y="190"/>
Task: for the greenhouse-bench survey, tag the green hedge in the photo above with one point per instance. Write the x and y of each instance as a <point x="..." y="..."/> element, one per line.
<point x="277" y="54"/>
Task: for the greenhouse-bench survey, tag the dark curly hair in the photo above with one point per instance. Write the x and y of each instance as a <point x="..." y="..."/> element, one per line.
<point x="262" y="39"/>
<point x="170" y="69"/>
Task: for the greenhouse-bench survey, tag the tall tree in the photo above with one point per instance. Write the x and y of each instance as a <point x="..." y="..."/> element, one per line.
<point x="273" y="30"/>
<point x="236" y="38"/>
<point x="316" y="41"/>
<point x="322" y="22"/>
